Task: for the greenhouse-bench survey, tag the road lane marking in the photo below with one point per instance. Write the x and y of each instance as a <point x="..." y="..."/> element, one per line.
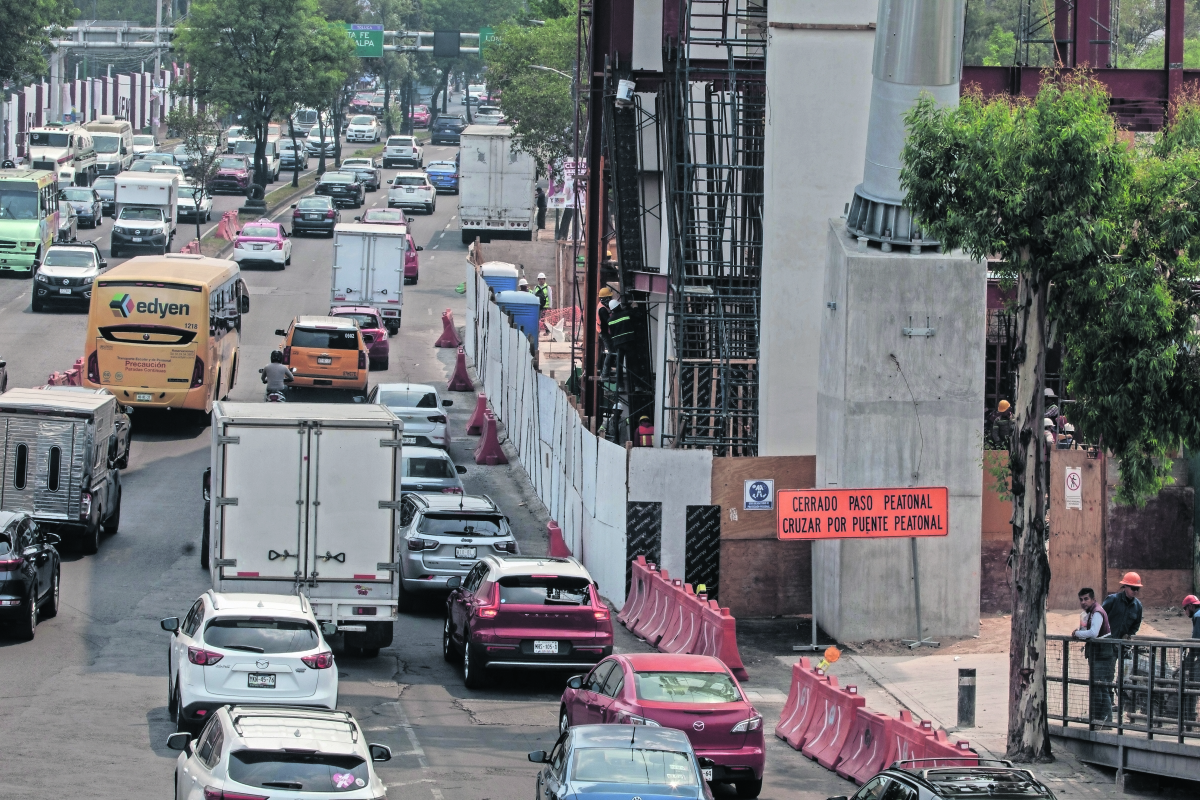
<point x="412" y="736"/>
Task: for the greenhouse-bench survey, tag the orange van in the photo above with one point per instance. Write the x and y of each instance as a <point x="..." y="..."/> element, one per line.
<point x="325" y="352"/>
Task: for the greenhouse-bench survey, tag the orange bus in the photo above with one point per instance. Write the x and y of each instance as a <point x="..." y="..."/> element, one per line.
<point x="163" y="331"/>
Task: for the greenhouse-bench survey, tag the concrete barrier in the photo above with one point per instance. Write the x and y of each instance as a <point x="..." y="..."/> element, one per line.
<point x="460" y="381"/>
<point x="449" y="337"/>
<point x="475" y="423"/>
<point x="558" y="545"/>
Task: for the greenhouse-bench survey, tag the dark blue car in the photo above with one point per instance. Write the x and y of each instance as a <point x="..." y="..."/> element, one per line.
<point x="444" y="176"/>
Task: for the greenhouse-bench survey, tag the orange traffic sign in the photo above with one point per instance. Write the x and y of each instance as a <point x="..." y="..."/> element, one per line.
<point x="863" y="513"/>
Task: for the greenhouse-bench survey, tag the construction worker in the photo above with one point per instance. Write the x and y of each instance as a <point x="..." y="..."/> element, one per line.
<point x="1191" y="607"/>
<point x="522" y="285"/>
<point x="645" y="433"/>
<point x="620" y="331"/>
<point x="603" y="315"/>
<point x="1002" y="425"/>
<point x="1102" y="659"/>
<point x="542" y="290"/>
<point x="1124" y="609"/>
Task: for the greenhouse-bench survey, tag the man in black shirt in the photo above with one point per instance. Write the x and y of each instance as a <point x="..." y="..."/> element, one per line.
<point x="1124" y="609"/>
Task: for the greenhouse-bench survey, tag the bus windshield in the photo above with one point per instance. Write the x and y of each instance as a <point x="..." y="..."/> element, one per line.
<point x="18" y="201"/>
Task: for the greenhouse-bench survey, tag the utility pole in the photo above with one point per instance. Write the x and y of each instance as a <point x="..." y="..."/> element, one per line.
<point x="155" y="99"/>
<point x="56" y="87"/>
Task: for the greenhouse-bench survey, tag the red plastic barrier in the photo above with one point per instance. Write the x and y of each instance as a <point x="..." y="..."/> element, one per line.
<point x="475" y="423"/>
<point x="796" y="697"/>
<point x="656" y="605"/>
<point x="947" y="753"/>
<point x="558" y="545"/>
<point x="793" y="726"/>
<point x="831" y="722"/>
<point x="460" y="381"/>
<point x="685" y="630"/>
<point x="865" y="752"/>
<point x="192" y="247"/>
<point x="449" y="337"/>
<point x="706" y="641"/>
<point x="227" y="227"/>
<point x="907" y="738"/>
<point x="637" y="592"/>
<point x="724" y="628"/>
<point x="671" y="592"/>
<point x="489" y="451"/>
<point x="72" y="377"/>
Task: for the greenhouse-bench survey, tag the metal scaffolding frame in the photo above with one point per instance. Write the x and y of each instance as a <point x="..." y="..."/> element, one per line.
<point x="714" y="117"/>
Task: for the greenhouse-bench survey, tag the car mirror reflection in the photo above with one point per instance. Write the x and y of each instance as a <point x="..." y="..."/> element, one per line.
<point x="538" y="757"/>
<point x="180" y="741"/>
<point x="380" y="752"/>
<point x="453" y="582"/>
<point x="575" y="682"/>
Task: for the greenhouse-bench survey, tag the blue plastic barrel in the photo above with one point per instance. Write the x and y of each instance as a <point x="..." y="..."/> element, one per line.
<point x="502" y="277"/>
<point x="525" y="309"/>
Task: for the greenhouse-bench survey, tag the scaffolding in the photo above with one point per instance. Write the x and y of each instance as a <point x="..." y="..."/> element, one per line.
<point x="714" y="116"/>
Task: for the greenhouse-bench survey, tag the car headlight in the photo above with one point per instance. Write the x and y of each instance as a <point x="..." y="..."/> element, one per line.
<point x="29" y="244"/>
<point x="42" y="278"/>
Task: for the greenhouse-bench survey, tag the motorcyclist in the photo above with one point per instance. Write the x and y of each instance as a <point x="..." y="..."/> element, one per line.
<point x="275" y="375"/>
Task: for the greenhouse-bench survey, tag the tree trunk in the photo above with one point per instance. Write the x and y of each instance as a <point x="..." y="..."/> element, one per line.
<point x="387" y="99"/>
<point x="1028" y="733"/>
<point x="295" y="151"/>
<point x="260" y="155"/>
<point x="197" y="196"/>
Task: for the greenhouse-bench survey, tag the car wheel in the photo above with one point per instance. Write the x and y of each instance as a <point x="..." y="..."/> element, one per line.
<point x="114" y="522"/>
<point x="181" y="723"/>
<point x="288" y="261"/>
<point x="28" y="622"/>
<point x="91" y="536"/>
<point x="113" y="252"/>
<point x="205" y="541"/>
<point x="50" y="610"/>
<point x="448" y="651"/>
<point x="35" y="305"/>
<point x="172" y="702"/>
<point x="748" y="789"/>
<point x="564" y="723"/>
<point x="473" y="666"/>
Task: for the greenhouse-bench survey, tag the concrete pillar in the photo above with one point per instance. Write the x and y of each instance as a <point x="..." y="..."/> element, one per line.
<point x="897" y="409"/>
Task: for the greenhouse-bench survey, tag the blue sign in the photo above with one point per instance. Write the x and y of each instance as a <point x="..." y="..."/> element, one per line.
<point x="759" y="495"/>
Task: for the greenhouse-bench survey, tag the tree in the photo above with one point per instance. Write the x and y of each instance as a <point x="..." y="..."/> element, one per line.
<point x="24" y="36"/>
<point x="1099" y="240"/>
<point x="540" y="102"/>
<point x="1001" y="47"/>
<point x="257" y="55"/>
<point x="465" y="16"/>
<point x="201" y="133"/>
<point x="393" y="68"/>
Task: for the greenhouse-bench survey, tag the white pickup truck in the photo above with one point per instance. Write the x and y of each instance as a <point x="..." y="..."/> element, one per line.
<point x="304" y="499"/>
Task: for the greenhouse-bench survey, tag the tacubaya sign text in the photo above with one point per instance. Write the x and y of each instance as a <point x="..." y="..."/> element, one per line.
<point x="863" y="513"/>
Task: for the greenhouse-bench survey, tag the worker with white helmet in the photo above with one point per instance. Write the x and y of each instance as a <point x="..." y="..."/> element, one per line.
<point x="542" y="290"/>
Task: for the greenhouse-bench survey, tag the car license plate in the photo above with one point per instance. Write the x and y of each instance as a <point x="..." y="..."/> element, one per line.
<point x="707" y="773"/>
<point x="408" y="440"/>
<point x="258" y="247"/>
<point x="410" y="191"/>
<point x="143" y="398"/>
<point x="467" y="552"/>
<point x="259" y="680"/>
<point x="324" y="359"/>
<point x="137" y="238"/>
<point x="312" y="216"/>
<point x="545" y="648"/>
<point x="64" y="291"/>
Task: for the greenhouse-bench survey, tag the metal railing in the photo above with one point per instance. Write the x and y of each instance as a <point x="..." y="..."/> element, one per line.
<point x="1142" y="686"/>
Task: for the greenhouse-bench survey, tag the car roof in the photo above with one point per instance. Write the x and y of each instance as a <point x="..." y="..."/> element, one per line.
<point x="264" y="727"/>
<point x="353" y="310"/>
<point x="638" y="737"/>
<point x="235" y="602"/>
<point x="91" y="246"/>
<point x="466" y="503"/>
<point x="410" y="173"/>
<point x="325" y="322"/>
<point x="674" y="662"/>
<point x="425" y="452"/>
<point x="346" y="161"/>
<point x="406" y="387"/>
<point x="972" y="781"/>
<point x="263" y="221"/>
<point x="526" y="565"/>
<point x="185" y="268"/>
<point x="7" y="517"/>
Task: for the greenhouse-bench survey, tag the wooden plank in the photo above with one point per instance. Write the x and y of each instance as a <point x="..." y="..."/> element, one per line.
<point x="1076" y="547"/>
<point x="729" y="476"/>
<point x="766" y="577"/>
<point x="1162" y="588"/>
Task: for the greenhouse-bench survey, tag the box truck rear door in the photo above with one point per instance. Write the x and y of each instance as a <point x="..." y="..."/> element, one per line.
<point x="349" y="267"/>
<point x="387" y="270"/>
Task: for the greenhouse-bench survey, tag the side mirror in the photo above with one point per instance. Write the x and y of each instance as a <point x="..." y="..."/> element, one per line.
<point x="420" y="248"/>
<point x="358" y="398"/>
<point x="539" y="757"/>
<point x="447" y="403"/>
<point x="329" y="628"/>
<point x="170" y="624"/>
<point x="3" y="363"/>
<point x="389" y="181"/>
<point x="237" y="233"/>
<point x="460" y="469"/>
<point x="358" y="219"/>
<point x="294" y="205"/>
<point x="575" y="682"/>
<point x="128" y="409"/>
<point x="380" y="752"/>
<point x="280" y="332"/>
<point x="244" y="304"/>
<point x="706" y="762"/>
<point x="103" y="263"/>
<point x="180" y="741"/>
<point x="453" y="582"/>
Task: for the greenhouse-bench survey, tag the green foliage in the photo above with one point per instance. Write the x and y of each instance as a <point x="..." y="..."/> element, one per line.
<point x="23" y="37"/>
<point x="1001" y="46"/>
<point x="1154" y="56"/>
<point x="549" y="9"/>
<point x="540" y="102"/>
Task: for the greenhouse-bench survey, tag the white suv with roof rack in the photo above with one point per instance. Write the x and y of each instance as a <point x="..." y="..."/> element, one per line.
<point x="403" y="151"/>
<point x="247" y="648"/>
<point x="260" y="751"/>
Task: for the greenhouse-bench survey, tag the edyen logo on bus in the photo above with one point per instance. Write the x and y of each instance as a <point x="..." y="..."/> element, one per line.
<point x="123" y="305"/>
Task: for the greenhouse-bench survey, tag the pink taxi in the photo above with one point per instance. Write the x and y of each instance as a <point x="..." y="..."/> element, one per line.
<point x="263" y="241"/>
<point x="395" y="216"/>
<point x="373" y="332"/>
<point x="421" y="116"/>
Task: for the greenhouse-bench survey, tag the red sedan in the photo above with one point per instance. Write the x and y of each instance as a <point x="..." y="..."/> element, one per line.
<point x="374" y="334"/>
<point x="695" y="694"/>
<point x="421" y="116"/>
<point x="395" y="216"/>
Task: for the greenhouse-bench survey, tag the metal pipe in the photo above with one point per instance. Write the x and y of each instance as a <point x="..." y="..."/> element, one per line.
<point x="67" y="44"/>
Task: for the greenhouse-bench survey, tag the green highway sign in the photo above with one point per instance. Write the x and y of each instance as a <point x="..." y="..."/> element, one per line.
<point x="368" y="39"/>
<point x="486" y="36"/>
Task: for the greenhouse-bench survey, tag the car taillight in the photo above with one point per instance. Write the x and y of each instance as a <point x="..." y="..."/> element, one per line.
<point x="213" y="793"/>
<point x="493" y="606"/>
<point x="93" y="367"/>
<point x="366" y="611"/>
<point x="503" y="547"/>
<point x="747" y="725"/>
<point x="437" y="418"/>
<point x="329" y="214"/>
<point x="287" y="354"/>
<point x="422" y="544"/>
<point x="319" y="661"/>
<point x="85" y="505"/>
<point x="205" y="658"/>
<point x="11" y="563"/>
<point x="198" y="373"/>
<point x="451" y="490"/>
<point x="362" y="359"/>
<point x="296" y="214"/>
<point x="599" y="610"/>
<point x="625" y="718"/>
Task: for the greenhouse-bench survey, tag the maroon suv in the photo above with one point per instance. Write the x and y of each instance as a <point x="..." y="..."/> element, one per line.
<point x="523" y="612"/>
<point x="233" y="175"/>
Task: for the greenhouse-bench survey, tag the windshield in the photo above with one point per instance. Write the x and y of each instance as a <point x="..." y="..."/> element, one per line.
<point x="534" y="590"/>
<point x="610" y="765"/>
<point x="262" y="635"/>
<point x="80" y="194"/>
<point x="409" y="180"/>
<point x="18" y="201"/>
<point x="399" y="141"/>
<point x="142" y="166"/>
<point x="428" y="468"/>
<point x="106" y="142"/>
<point x="337" y="177"/>
<point x="181" y="150"/>
<point x="105" y="184"/>
<point x="69" y="258"/>
<point x="321" y="339"/>
<point x="299" y="772"/>
<point x="315" y="202"/>
<point x="698" y="688"/>
<point x="167" y="169"/>
<point x="357" y="163"/>
<point x="434" y="525"/>
<point x="362" y="119"/>
<point x="306" y="116"/>
<point x="144" y="140"/>
<point x="405" y="398"/>
<point x="47" y="139"/>
<point x="476" y="88"/>
<point x="230" y="162"/>
<point x="260" y="231"/>
<point x="161" y="158"/>
<point x="379" y="215"/>
<point x="150" y="214"/>
<point x="361" y="320"/>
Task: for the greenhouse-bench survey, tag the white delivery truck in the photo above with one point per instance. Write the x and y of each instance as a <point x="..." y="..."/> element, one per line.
<point x="147" y="208"/>
<point x="113" y="140"/>
<point x="497" y="186"/>
<point x="305" y="499"/>
<point x="368" y="268"/>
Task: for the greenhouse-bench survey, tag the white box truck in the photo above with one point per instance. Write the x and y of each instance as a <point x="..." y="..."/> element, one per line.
<point x="304" y="499"/>
<point x="368" y="268"/>
<point x="147" y="208"/>
<point x="497" y="186"/>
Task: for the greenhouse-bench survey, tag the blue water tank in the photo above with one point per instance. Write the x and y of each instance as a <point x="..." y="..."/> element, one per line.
<point x="525" y="309"/>
<point x="502" y="277"/>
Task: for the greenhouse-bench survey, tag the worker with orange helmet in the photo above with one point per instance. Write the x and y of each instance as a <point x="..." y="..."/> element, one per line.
<point x="1124" y="609"/>
<point x="1191" y="607"/>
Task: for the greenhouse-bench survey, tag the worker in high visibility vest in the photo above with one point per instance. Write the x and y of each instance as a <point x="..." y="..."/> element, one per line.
<point x="542" y="290"/>
<point x="620" y="332"/>
<point x="645" y="433"/>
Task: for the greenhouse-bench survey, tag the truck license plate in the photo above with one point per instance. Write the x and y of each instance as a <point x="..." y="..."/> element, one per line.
<point x="545" y="648"/>
<point x="137" y="238"/>
<point x="144" y="398"/>
<point x="324" y="359"/>
<point x="408" y="440"/>
<point x="707" y="772"/>
<point x="466" y="552"/>
<point x="259" y="680"/>
<point x="64" y="291"/>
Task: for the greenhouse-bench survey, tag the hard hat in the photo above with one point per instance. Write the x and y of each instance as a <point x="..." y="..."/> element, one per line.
<point x="605" y="291"/>
<point x="522" y="282"/>
<point x="644" y="417"/>
<point x="541" y="276"/>
<point x="1049" y="392"/>
<point x="1132" y="579"/>
<point x="1004" y="406"/>
<point x="1190" y="600"/>
<point x="1069" y="428"/>
<point x="1047" y="423"/>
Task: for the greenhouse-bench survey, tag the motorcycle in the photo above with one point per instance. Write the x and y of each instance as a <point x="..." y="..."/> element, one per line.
<point x="274" y="395"/>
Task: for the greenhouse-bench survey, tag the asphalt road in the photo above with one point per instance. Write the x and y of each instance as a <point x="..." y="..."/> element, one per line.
<point x="83" y="706"/>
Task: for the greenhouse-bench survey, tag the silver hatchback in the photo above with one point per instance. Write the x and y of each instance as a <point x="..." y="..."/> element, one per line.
<point x="428" y="469"/>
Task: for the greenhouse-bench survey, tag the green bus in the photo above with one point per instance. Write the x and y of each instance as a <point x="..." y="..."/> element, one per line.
<point x="28" y="217"/>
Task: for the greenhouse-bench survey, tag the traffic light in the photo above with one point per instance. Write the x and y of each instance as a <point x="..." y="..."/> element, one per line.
<point x="445" y="44"/>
